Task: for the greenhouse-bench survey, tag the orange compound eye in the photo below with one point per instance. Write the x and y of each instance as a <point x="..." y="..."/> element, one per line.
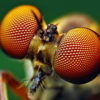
<point x="18" y="28"/>
<point x="77" y="58"/>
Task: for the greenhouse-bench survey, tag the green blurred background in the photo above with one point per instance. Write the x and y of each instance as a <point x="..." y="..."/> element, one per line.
<point x="50" y="9"/>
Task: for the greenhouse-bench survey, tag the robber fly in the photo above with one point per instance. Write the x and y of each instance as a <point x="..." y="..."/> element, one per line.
<point x="24" y="35"/>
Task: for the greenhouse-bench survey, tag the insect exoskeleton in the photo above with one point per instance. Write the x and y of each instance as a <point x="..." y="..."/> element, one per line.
<point x="18" y="28"/>
<point x="77" y="58"/>
<point x="75" y="20"/>
<point x="74" y="56"/>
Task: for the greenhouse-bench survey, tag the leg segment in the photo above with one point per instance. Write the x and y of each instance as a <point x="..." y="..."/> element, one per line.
<point x="14" y="84"/>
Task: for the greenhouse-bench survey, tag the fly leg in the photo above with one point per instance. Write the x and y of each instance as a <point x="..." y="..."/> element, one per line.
<point x="15" y="85"/>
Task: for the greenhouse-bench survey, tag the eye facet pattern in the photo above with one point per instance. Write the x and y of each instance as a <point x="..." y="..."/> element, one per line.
<point x="17" y="30"/>
<point x="77" y="58"/>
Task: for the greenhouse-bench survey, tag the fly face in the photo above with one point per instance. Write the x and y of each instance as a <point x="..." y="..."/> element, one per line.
<point x="41" y="52"/>
<point x="24" y="35"/>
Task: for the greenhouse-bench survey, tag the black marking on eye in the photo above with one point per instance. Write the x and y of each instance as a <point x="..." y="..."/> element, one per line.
<point x="38" y="21"/>
<point x="39" y="25"/>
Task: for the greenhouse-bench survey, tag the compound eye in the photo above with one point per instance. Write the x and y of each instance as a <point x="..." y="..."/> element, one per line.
<point x="18" y="28"/>
<point x="77" y="58"/>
